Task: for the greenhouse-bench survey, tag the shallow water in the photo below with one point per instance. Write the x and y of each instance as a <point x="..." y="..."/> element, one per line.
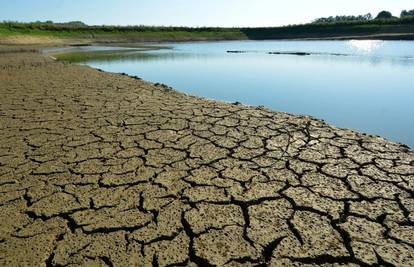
<point x="364" y="85"/>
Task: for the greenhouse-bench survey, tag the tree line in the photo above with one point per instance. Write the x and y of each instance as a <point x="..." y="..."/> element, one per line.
<point x="363" y="18"/>
<point x="405" y="13"/>
<point x="383" y="18"/>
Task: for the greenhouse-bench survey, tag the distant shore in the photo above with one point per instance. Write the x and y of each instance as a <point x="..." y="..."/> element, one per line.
<point x="12" y="33"/>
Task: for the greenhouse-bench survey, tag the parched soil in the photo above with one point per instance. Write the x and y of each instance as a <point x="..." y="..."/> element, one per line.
<point x="103" y="169"/>
<point x="28" y="39"/>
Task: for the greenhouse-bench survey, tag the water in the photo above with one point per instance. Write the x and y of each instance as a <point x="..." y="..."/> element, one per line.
<point x="364" y="85"/>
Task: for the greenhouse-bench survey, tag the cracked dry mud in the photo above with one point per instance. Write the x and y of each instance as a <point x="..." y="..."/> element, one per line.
<point x="104" y="169"/>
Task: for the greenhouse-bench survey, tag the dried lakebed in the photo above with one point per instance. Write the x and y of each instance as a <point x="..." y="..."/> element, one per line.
<point x="105" y="169"/>
<point x="362" y="85"/>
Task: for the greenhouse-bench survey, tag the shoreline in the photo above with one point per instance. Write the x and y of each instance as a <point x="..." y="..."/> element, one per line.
<point x="166" y="86"/>
<point x="30" y="40"/>
<point x="66" y="55"/>
<point x="105" y="168"/>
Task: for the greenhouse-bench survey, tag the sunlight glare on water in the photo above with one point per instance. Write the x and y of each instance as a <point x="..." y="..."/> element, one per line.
<point x="366" y="46"/>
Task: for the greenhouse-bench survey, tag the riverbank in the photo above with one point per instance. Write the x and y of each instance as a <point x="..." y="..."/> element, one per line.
<point x="24" y="39"/>
<point x="12" y="33"/>
<point x="107" y="169"/>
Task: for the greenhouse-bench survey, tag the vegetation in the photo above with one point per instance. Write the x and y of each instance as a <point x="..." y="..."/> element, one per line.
<point x="405" y="13"/>
<point x="79" y="27"/>
<point x="384" y="15"/>
<point x="335" y="27"/>
<point x="360" y="18"/>
<point x="101" y="55"/>
<point x="116" y="55"/>
<point x="118" y="33"/>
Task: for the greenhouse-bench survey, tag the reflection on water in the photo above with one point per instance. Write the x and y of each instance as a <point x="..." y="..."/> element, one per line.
<point x="146" y="56"/>
<point x="367" y="46"/>
<point x="364" y="85"/>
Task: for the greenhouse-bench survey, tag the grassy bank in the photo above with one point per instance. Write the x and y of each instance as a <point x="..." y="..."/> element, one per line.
<point x="99" y="33"/>
<point x="391" y="27"/>
<point x="117" y="34"/>
<point x="80" y="56"/>
<point x="384" y="29"/>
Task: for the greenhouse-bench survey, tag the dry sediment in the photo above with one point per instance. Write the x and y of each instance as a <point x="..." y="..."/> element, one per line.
<point x="109" y="170"/>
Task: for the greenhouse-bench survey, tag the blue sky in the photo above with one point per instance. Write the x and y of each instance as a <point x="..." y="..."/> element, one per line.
<point x="193" y="12"/>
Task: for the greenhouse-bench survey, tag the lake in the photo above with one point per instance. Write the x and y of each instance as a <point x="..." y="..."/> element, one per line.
<point x="364" y="85"/>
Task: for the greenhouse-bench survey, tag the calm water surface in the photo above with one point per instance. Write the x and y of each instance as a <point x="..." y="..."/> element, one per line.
<point x="364" y="85"/>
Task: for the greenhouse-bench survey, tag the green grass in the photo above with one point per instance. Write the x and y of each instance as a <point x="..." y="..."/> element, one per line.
<point x="128" y="36"/>
<point x="114" y="55"/>
<point x="56" y="30"/>
<point x="93" y="55"/>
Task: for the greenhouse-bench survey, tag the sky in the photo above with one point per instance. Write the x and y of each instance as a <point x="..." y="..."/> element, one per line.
<point x="224" y="13"/>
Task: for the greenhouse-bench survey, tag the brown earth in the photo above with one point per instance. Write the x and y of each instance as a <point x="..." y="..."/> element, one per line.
<point x="103" y="169"/>
<point x="24" y="39"/>
<point x="30" y="40"/>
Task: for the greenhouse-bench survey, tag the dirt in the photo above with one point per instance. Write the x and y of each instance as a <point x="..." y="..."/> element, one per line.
<point x="30" y="40"/>
<point x="105" y="169"/>
<point x="44" y="40"/>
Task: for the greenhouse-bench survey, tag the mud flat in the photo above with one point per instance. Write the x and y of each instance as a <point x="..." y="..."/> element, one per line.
<point x="108" y="170"/>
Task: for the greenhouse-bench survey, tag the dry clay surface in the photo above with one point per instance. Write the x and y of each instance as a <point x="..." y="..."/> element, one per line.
<point x="102" y="169"/>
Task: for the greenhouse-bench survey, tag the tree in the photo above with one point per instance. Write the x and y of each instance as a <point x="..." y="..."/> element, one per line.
<point x="367" y="16"/>
<point x="75" y="23"/>
<point x="331" y="19"/>
<point x="384" y="15"/>
<point x="405" y="13"/>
